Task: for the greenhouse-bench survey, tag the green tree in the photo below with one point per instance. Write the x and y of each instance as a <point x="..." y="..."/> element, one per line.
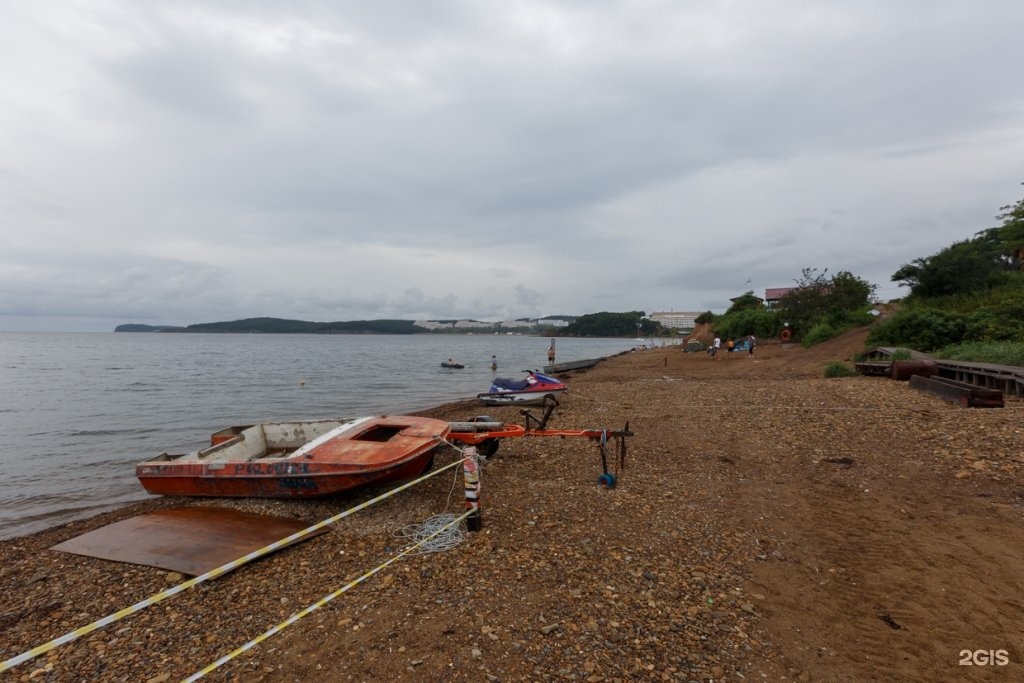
<point x="745" y="302"/>
<point x="847" y="292"/>
<point x="963" y="267"/>
<point x="977" y="264"/>
<point x="924" y="329"/>
<point x="1010" y="236"/>
<point x="606" y="324"/>
<point x="705" y="317"/>
<point x="966" y="296"/>
<point x="839" y="302"/>
<point x="804" y="304"/>
<point x="759" y="322"/>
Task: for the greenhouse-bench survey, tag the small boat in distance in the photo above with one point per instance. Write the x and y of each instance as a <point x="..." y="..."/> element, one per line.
<point x="299" y="459"/>
<point x="572" y="365"/>
<point x="452" y="364"/>
<point x="534" y="388"/>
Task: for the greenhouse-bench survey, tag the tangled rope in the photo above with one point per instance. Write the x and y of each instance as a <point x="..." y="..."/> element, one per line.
<point x="432" y="536"/>
<point x="439" y="532"/>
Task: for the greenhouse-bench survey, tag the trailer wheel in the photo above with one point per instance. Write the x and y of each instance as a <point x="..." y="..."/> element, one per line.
<point x="488" y="447"/>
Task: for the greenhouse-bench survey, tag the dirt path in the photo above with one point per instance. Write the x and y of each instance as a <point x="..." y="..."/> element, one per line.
<point x="890" y="522"/>
<point x="769" y="525"/>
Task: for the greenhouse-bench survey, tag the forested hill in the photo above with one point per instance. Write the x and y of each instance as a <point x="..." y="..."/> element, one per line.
<point x="590" y="325"/>
<point x="134" y="327"/>
<point x="281" y="326"/>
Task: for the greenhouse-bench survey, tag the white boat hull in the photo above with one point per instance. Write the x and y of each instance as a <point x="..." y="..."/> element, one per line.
<point x="506" y="398"/>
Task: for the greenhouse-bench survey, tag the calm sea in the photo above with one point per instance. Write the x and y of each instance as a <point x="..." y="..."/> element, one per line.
<point x="78" y="411"/>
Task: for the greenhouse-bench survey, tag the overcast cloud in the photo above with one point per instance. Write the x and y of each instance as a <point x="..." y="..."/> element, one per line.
<point x="184" y="161"/>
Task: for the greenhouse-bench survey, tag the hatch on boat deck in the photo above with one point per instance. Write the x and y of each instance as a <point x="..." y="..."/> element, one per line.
<point x="190" y="540"/>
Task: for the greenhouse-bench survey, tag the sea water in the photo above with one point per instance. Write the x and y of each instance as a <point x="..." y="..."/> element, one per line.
<point x="79" y="411"/>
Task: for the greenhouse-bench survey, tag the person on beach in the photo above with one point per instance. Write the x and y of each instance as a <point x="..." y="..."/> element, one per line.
<point x="551" y="353"/>
<point x="753" y="343"/>
<point x="728" y="346"/>
<point x="716" y="347"/>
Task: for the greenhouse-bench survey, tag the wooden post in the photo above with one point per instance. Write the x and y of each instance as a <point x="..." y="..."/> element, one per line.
<point x="471" y="476"/>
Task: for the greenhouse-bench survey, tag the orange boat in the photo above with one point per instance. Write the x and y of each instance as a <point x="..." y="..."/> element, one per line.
<point x="299" y="459"/>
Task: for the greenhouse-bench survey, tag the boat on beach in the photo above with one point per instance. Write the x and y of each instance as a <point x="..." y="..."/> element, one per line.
<point x="572" y="365"/>
<point x="302" y="459"/>
<point x="533" y="389"/>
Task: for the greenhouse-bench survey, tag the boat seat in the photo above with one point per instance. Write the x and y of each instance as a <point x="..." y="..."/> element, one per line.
<point x="513" y="384"/>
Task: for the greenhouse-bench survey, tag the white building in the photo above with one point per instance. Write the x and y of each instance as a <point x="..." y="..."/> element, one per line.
<point x="552" y="322"/>
<point x="676" y="320"/>
<point x="472" y="324"/>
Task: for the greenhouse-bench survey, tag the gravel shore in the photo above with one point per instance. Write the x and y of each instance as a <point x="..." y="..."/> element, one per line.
<point x="769" y="524"/>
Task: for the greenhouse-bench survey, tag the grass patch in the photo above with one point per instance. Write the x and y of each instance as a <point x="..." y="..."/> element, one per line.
<point x="839" y="369"/>
<point x="997" y="352"/>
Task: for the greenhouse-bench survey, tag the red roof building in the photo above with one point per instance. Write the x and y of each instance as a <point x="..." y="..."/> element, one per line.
<point x="772" y="296"/>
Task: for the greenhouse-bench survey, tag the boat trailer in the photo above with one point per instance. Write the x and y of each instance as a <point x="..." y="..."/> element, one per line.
<point x="485" y="433"/>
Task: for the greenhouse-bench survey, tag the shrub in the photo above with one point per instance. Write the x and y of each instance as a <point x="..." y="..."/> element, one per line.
<point x="819" y="333"/>
<point x="924" y="329"/>
<point x="759" y="322"/>
<point x="999" y="353"/>
<point x="839" y="369"/>
<point x="705" y="317"/>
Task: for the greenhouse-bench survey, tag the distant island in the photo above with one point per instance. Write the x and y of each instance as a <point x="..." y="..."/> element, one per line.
<point x="590" y="325"/>
<point x="148" y="328"/>
<point x="282" y="326"/>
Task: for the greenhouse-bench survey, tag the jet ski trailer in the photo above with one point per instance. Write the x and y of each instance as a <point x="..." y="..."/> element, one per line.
<point x="485" y="433"/>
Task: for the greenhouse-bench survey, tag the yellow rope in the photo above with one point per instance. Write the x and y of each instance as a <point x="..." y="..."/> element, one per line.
<point x="320" y="603"/>
<point x="213" y="573"/>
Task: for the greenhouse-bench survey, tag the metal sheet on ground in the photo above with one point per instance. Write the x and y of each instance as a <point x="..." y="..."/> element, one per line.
<point x="190" y="540"/>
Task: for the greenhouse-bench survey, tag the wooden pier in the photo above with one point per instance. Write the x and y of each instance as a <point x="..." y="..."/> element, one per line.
<point x="1007" y="379"/>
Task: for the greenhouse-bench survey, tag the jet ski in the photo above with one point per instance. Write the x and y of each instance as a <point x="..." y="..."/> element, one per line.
<point x="530" y="390"/>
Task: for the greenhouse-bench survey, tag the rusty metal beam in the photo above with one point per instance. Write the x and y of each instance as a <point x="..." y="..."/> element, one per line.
<point x="965" y="394"/>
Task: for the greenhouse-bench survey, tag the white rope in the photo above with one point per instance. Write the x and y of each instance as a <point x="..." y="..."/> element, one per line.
<point x="308" y="610"/>
<point x="223" y="569"/>
<point x="436" y="534"/>
<point x="440" y="532"/>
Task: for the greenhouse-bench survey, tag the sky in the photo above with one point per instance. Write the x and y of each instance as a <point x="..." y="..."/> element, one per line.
<point x="185" y="161"/>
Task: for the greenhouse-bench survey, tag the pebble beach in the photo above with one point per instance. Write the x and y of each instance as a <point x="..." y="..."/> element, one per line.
<point x="766" y="524"/>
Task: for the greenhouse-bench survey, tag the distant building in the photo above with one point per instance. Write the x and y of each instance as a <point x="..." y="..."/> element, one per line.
<point x="515" y="323"/>
<point x="553" y="322"/>
<point x="774" y="295"/>
<point x="454" y="324"/>
<point x="676" y="320"/>
<point x="472" y="324"/>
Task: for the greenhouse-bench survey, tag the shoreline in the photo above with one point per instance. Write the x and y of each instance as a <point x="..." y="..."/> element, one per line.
<point x="765" y="523"/>
<point x="77" y="435"/>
